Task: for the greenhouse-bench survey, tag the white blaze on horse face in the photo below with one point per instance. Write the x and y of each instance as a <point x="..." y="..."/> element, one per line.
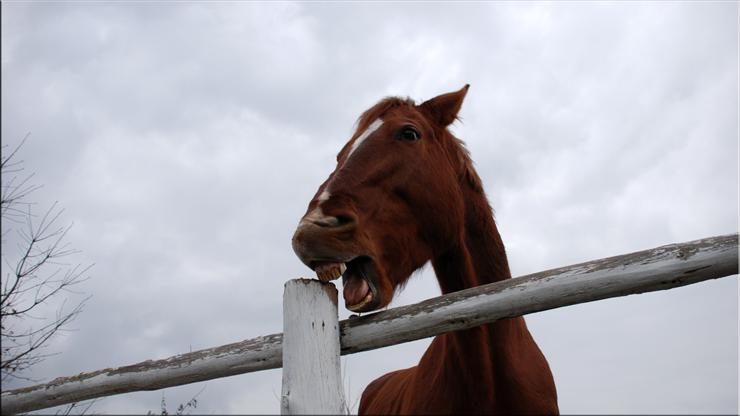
<point x="365" y="134"/>
<point x="372" y="128"/>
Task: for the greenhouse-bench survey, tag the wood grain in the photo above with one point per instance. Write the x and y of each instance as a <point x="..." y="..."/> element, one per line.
<point x="312" y="375"/>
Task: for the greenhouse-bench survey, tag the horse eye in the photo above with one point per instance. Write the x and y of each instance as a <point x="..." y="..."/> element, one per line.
<point x="409" y="133"/>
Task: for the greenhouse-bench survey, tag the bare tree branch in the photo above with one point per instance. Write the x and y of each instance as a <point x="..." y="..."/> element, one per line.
<point x="35" y="279"/>
<point x="83" y="406"/>
<point x="14" y="192"/>
<point x="182" y="408"/>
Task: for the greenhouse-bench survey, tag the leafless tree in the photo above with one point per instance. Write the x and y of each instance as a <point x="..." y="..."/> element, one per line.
<point x="34" y="277"/>
<point x="76" y="409"/>
<point x="182" y="408"/>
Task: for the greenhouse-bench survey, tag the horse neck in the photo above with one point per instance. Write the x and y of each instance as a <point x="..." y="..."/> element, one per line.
<point x="485" y="367"/>
<point x="478" y="256"/>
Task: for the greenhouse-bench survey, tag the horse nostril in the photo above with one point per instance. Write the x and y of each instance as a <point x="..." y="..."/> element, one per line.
<point x="334" y="221"/>
<point x="345" y="220"/>
<point x="326" y="221"/>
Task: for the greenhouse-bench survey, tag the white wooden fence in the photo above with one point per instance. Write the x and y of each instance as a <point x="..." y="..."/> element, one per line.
<point x="313" y="339"/>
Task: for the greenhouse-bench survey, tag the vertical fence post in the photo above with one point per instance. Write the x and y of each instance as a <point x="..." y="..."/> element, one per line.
<point x="312" y="381"/>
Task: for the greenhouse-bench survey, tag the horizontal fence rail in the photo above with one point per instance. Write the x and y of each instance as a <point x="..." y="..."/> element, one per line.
<point x="661" y="268"/>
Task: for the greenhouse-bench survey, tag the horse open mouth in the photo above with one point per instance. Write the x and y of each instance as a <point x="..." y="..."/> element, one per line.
<point x="358" y="278"/>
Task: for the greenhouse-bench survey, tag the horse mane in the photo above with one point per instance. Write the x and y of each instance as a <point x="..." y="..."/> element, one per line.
<point x="468" y="170"/>
<point x="458" y="148"/>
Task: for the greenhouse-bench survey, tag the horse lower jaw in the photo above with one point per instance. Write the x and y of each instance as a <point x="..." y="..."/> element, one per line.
<point x="360" y="290"/>
<point x="358" y="280"/>
<point x="361" y="307"/>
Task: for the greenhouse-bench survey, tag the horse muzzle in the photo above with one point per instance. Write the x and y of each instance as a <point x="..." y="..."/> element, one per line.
<point x="326" y="244"/>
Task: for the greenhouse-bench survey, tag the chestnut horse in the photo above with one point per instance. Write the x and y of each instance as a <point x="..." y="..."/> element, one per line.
<point x="405" y="192"/>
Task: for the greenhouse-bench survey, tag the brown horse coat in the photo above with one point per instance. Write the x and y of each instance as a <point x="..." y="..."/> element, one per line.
<point x="405" y="192"/>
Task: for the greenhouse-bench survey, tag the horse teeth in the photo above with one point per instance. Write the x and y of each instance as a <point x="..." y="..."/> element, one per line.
<point x="339" y="271"/>
<point x="336" y="271"/>
<point x="329" y="272"/>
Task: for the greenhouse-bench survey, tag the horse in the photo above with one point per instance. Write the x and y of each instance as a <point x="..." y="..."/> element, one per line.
<point x="404" y="192"/>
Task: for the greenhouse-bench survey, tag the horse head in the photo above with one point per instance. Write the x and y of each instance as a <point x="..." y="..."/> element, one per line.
<point x="393" y="202"/>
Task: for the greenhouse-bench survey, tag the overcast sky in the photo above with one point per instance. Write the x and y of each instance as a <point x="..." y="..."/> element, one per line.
<point x="184" y="141"/>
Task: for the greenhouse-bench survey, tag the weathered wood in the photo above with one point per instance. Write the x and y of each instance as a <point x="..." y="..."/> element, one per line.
<point x="312" y="375"/>
<point x="660" y="268"/>
<point x="261" y="353"/>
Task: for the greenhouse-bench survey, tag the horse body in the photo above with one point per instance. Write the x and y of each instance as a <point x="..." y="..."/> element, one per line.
<point x="405" y="192"/>
<point x="494" y="368"/>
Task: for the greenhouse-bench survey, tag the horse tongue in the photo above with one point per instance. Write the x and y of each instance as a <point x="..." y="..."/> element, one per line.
<point x="355" y="290"/>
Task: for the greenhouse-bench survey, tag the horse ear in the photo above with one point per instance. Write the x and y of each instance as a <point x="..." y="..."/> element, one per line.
<point x="444" y="108"/>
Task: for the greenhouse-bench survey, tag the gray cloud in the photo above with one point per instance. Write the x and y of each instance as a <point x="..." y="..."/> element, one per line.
<point x="185" y="140"/>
